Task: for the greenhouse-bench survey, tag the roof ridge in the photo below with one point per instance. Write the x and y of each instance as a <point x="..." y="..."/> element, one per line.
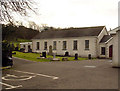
<point x="90" y="27"/>
<point x="74" y="28"/>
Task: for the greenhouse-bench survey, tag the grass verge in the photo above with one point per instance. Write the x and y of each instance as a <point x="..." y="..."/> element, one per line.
<point x="33" y="57"/>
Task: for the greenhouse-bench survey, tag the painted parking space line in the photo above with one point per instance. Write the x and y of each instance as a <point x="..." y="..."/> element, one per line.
<point x="27" y="76"/>
<point x="53" y="77"/>
<point x="16" y="78"/>
<point x="10" y="86"/>
<point x="90" y="66"/>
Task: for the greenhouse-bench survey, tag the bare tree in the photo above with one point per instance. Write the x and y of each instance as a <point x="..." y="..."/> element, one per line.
<point x="32" y="24"/>
<point x="17" y="6"/>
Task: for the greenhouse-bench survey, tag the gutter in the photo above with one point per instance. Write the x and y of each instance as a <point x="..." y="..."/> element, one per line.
<point x="108" y="40"/>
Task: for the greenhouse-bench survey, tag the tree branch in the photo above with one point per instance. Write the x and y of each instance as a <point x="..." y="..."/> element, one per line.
<point x="7" y="7"/>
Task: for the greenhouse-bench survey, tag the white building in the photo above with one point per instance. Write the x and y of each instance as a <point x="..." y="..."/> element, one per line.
<point x="27" y="46"/>
<point x="84" y="41"/>
<point x="116" y="46"/>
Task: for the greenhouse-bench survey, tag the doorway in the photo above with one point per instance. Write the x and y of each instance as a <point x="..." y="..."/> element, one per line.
<point x="111" y="51"/>
<point x="29" y="48"/>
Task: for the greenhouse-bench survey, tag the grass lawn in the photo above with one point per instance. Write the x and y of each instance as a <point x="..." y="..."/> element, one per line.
<point x="33" y="57"/>
<point x="19" y="41"/>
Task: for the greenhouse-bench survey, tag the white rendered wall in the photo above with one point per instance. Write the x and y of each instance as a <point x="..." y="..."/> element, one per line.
<point x="26" y="46"/>
<point x="116" y="50"/>
<point x="103" y="32"/>
<point x="81" y="46"/>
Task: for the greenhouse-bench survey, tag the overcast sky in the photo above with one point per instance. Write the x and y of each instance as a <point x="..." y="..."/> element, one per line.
<point x="77" y="13"/>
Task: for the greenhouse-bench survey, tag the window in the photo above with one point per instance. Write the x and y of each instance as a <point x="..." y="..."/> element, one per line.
<point x="38" y="46"/>
<point x="102" y="50"/>
<point x="75" y="45"/>
<point x="45" y="45"/>
<point x="54" y="45"/>
<point x="86" y="44"/>
<point x="64" y="45"/>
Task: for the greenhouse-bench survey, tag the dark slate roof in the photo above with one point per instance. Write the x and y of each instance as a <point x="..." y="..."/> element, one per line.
<point x="70" y="32"/>
<point x="114" y="30"/>
<point x="105" y="38"/>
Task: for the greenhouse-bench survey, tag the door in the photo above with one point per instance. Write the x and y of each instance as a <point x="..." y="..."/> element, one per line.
<point x="110" y="51"/>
